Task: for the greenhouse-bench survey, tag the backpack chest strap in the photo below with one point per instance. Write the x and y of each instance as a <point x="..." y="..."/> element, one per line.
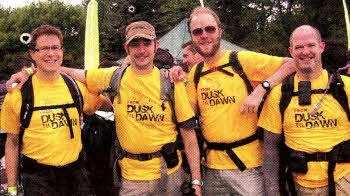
<point x="227" y="147"/>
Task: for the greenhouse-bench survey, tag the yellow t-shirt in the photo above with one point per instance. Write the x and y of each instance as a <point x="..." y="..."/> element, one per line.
<point x="304" y="132"/>
<point x="47" y="139"/>
<point x="143" y="121"/>
<point x="220" y="96"/>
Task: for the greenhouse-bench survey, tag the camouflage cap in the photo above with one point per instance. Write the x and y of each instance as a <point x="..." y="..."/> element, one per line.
<point x="139" y="29"/>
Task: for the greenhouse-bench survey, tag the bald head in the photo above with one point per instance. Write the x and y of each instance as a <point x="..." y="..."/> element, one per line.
<point x="305" y="28"/>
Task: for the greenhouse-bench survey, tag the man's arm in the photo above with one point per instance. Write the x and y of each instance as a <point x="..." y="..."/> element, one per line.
<point x="11" y="157"/>
<point x="252" y="102"/>
<point x="76" y="74"/>
<point x="22" y="76"/>
<point x="271" y="162"/>
<point x="193" y="156"/>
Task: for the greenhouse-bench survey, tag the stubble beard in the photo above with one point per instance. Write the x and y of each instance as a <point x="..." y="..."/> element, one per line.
<point x="212" y="52"/>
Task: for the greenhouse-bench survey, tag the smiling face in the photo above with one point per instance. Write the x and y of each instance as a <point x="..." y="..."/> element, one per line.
<point x="306" y="49"/>
<point x="47" y="54"/>
<point x="205" y="34"/>
<point x="141" y="52"/>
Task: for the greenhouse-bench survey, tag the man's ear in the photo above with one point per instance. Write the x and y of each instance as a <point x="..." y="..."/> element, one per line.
<point x="126" y="48"/>
<point x="156" y="45"/>
<point x="290" y="49"/>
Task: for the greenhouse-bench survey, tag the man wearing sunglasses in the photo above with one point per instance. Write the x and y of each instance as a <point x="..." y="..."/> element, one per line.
<point x="233" y="155"/>
<point x="51" y="143"/>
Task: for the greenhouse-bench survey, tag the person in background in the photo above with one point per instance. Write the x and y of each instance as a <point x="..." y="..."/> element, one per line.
<point x="190" y="56"/>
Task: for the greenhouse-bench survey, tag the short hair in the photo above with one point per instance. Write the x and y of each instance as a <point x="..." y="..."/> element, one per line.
<point x="203" y="10"/>
<point x="44" y="30"/>
<point x="318" y="34"/>
<point x="163" y="59"/>
<point x="190" y="46"/>
<point x="108" y="63"/>
<point x="21" y="62"/>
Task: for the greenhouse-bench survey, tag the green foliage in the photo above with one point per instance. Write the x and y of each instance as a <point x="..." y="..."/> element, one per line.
<point x="69" y="19"/>
<point x="258" y="25"/>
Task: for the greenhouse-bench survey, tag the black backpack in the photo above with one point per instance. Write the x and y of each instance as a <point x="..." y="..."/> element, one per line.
<point x="336" y="89"/>
<point x="98" y="134"/>
<point x="28" y="103"/>
<point x="237" y="68"/>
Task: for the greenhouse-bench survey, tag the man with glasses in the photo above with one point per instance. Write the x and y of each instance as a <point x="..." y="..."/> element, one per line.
<point x="51" y="143"/>
<point x="233" y="155"/>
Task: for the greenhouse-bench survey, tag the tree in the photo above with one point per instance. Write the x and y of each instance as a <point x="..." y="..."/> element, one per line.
<point x="69" y="19"/>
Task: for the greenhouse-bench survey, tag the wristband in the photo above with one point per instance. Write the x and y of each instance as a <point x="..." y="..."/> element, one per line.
<point x="12" y="190"/>
<point x="29" y="71"/>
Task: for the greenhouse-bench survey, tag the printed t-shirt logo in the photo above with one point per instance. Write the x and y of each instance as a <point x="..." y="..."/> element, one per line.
<point x="54" y="118"/>
<point x="215" y="97"/>
<point x="143" y="112"/>
<point x="304" y="119"/>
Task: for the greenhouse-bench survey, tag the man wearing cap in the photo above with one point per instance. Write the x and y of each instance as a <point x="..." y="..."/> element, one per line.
<point x="144" y="122"/>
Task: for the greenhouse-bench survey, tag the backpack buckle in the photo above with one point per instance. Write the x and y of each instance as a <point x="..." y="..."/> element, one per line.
<point x="144" y="157"/>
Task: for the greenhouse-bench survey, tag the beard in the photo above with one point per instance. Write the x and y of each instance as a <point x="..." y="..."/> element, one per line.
<point x="213" y="50"/>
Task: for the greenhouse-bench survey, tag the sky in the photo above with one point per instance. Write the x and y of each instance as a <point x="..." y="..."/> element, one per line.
<point x="20" y="3"/>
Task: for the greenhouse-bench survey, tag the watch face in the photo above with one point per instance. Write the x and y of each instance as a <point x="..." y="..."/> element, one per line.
<point x="266" y="85"/>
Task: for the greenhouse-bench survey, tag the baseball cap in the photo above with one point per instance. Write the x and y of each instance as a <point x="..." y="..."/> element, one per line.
<point x="139" y="29"/>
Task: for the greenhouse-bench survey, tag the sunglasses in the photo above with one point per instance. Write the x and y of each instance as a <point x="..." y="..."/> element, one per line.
<point x="207" y="29"/>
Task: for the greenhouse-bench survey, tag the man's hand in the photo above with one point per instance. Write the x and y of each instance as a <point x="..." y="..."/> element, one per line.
<point x="176" y="74"/>
<point x="252" y="102"/>
<point x="20" y="78"/>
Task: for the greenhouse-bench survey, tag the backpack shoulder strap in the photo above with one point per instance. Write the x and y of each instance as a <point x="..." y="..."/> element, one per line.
<point x="167" y="92"/>
<point x="27" y="104"/>
<point x="197" y="73"/>
<point x="237" y="67"/>
<point x="286" y="93"/>
<point x="337" y="91"/>
<point x="74" y="91"/>
<point x="114" y="84"/>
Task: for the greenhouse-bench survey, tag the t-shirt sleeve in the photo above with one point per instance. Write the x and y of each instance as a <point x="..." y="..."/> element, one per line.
<point x="270" y="116"/>
<point x="92" y="101"/>
<point x="98" y="79"/>
<point x="258" y="66"/>
<point x="10" y="112"/>
<point x="183" y="109"/>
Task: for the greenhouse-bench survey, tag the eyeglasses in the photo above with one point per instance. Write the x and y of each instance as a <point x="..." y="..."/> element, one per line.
<point x="48" y="48"/>
<point x="207" y="29"/>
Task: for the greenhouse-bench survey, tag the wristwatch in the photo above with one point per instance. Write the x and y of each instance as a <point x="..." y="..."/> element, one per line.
<point x="266" y="86"/>
<point x="197" y="182"/>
